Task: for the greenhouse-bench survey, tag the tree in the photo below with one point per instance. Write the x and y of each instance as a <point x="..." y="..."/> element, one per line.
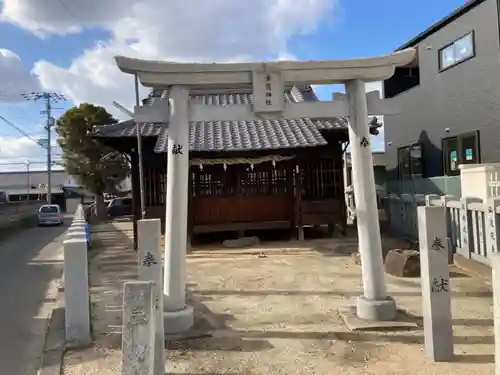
<point x="97" y="167"/>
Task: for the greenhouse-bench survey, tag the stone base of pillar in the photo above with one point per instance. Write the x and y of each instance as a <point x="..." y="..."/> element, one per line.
<point x="376" y="310"/>
<point x="178" y="321"/>
<point x="300" y="233"/>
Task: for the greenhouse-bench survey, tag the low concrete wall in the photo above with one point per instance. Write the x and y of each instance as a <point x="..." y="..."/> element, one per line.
<point x="17" y="215"/>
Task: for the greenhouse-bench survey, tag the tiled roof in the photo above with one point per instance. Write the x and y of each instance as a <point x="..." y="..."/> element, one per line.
<point x="248" y="135"/>
<point x="127" y="129"/>
<point x="237" y="135"/>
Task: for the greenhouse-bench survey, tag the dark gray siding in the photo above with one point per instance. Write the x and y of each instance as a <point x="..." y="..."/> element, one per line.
<point x="463" y="98"/>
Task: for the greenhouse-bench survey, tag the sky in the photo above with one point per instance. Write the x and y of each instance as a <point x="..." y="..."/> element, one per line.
<point x="67" y="47"/>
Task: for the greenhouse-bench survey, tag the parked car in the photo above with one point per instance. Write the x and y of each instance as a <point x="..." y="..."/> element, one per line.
<point x="50" y="214"/>
<point x="120" y="207"/>
<point x="4" y="197"/>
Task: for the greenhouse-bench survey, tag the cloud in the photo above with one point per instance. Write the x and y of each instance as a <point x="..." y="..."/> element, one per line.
<point x="188" y="30"/>
<point x="12" y="147"/>
<point x="14" y="150"/>
<point x="374" y="86"/>
<point x="14" y="78"/>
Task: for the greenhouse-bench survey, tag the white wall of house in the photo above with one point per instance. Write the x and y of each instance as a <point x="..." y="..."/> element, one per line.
<point x="21" y="182"/>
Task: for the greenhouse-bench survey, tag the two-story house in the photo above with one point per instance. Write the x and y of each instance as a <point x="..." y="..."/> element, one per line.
<point x="449" y="96"/>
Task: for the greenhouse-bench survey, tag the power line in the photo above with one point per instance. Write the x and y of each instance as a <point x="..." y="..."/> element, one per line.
<point x="24" y="157"/>
<point x="20" y="131"/>
<point x="49" y="98"/>
<point x="65" y="6"/>
<point x="10" y="105"/>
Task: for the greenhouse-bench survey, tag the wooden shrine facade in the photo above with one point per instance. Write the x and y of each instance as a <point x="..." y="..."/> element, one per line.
<point x="264" y="195"/>
<point x="280" y="185"/>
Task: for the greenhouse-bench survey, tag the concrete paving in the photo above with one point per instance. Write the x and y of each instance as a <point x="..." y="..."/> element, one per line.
<point x="31" y="263"/>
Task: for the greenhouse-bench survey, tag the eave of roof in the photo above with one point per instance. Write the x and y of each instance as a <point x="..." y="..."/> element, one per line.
<point x="457" y="13"/>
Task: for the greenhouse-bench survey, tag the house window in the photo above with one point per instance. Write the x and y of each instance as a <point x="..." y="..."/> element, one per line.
<point x="460" y="50"/>
<point x="410" y="162"/>
<point x="461" y="149"/>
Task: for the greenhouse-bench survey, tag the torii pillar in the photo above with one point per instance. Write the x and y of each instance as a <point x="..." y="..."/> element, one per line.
<point x="374" y="304"/>
<point x="268" y="81"/>
<point x="178" y="317"/>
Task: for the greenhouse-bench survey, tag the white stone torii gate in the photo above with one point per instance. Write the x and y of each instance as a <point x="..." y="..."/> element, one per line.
<point x="268" y="79"/>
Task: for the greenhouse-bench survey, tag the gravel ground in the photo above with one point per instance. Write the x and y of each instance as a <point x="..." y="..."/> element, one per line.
<point x="274" y="310"/>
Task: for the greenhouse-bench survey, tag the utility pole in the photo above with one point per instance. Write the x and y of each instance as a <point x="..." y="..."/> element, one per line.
<point x="49" y="98"/>
<point x="49" y="150"/>
<point x="28" y="180"/>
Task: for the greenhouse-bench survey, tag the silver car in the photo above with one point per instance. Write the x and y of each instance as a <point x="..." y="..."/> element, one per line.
<point x="50" y="214"/>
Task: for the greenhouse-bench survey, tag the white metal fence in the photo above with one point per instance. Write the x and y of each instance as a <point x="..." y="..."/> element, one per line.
<point x="471" y="223"/>
<point x="494" y="184"/>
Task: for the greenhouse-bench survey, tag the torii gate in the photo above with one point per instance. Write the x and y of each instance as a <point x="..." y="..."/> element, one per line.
<point x="267" y="79"/>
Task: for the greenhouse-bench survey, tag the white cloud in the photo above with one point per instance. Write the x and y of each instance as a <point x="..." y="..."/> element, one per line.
<point x="14" y="78"/>
<point x="374" y="86"/>
<point x="14" y="152"/>
<point x="188" y="30"/>
<point x="12" y="147"/>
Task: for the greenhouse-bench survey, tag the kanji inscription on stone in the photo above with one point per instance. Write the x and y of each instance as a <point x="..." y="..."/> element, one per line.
<point x="269" y="90"/>
<point x="177" y="149"/>
<point x="464" y="229"/>
<point x="437" y="244"/>
<point x="491" y="241"/>
<point x="138" y="317"/>
<point x="364" y="142"/>
<point x="157" y="302"/>
<point x="440" y="284"/>
<point x="149" y="260"/>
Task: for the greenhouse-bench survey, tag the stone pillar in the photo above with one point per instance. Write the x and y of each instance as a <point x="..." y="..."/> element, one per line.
<point x="150" y="269"/>
<point x="138" y="329"/>
<point x="374" y="304"/>
<point x="78" y="233"/>
<point x="466" y="228"/>
<point x="435" y="279"/>
<point x="178" y="317"/>
<point x="76" y="292"/>
<point x="495" y="282"/>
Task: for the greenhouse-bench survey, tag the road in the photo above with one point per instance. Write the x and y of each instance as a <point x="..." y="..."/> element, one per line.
<point x="31" y="263"/>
